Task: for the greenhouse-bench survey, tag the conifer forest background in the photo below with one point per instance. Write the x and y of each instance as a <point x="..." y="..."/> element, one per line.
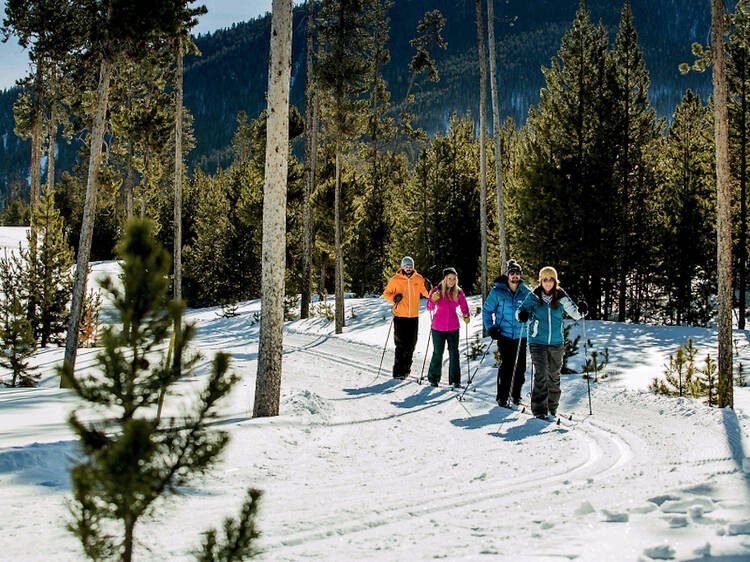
<point x="607" y="151"/>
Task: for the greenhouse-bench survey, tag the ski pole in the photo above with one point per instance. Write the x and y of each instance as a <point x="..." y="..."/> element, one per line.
<point x="515" y="364"/>
<point x="471" y="379"/>
<point x="586" y="366"/>
<point x="468" y="364"/>
<point x="387" y="337"/>
<point x="424" y="360"/>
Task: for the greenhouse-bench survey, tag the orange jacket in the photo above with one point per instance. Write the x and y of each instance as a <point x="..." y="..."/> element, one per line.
<point x="409" y="288"/>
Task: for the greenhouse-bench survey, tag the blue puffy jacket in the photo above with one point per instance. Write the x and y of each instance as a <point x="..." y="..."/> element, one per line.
<point x="545" y="321"/>
<point x="500" y="308"/>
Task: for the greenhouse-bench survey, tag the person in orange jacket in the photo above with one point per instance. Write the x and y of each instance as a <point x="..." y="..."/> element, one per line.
<point x="404" y="290"/>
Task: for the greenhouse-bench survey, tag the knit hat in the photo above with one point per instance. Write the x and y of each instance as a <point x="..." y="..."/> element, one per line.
<point x="407" y="262"/>
<point x="514" y="267"/>
<point x="548" y="271"/>
<point x="448" y="270"/>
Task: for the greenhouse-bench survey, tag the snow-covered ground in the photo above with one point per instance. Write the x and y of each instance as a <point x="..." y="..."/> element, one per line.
<point x="360" y="466"/>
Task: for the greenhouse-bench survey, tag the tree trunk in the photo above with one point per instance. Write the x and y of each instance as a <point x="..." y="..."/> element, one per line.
<point x="129" y="186"/>
<point x="89" y="213"/>
<point x="36" y="141"/>
<point x="339" y="265"/>
<point x="482" y="145"/>
<point x="724" y="210"/>
<point x="268" y="381"/>
<point x="177" y="248"/>
<point x="497" y="129"/>
<point x="743" y="201"/>
<point x="51" y="149"/>
<point x="307" y="232"/>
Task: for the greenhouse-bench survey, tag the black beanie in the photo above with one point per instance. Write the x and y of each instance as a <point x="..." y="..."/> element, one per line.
<point x="448" y="270"/>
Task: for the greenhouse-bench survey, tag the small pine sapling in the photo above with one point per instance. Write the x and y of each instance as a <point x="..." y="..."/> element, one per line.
<point x="709" y="380"/>
<point x="594" y="365"/>
<point x="290" y="305"/>
<point x="739" y="377"/>
<point x="88" y="334"/>
<point x="229" y="309"/>
<point x="570" y="349"/>
<point x="16" y="332"/>
<point x="238" y="535"/>
<point x="476" y="348"/>
<point x="679" y="373"/>
<point x="131" y="457"/>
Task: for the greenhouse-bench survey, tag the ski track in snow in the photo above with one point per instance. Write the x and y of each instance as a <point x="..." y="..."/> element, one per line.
<point x="362" y="466"/>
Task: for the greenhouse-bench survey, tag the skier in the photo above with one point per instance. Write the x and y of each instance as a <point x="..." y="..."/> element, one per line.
<point x="545" y="306"/>
<point x="499" y="315"/>
<point x="445" y="298"/>
<point x="404" y="290"/>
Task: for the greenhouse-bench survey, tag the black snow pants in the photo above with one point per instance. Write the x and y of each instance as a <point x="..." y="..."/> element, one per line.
<point x="405" y="338"/>
<point x="508" y="350"/>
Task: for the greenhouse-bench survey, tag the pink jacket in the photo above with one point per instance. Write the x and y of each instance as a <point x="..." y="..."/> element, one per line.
<point x="445" y="319"/>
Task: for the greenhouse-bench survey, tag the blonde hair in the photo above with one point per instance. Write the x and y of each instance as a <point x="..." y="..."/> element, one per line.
<point x="453" y="292"/>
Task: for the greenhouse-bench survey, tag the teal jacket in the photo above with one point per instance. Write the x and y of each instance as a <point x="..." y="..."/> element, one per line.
<point x="545" y="321"/>
<point x="500" y="308"/>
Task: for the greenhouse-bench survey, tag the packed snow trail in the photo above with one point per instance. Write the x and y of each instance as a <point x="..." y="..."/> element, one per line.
<point x="361" y="466"/>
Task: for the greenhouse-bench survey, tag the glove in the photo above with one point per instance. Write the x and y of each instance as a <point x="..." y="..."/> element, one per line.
<point x="523" y="315"/>
<point x="467" y="318"/>
<point x="494" y="333"/>
<point x="583" y="308"/>
<point x="436" y="296"/>
<point x="427" y="285"/>
<point x="397" y="298"/>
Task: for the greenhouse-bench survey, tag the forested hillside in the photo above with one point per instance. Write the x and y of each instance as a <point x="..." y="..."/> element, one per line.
<point x="230" y="76"/>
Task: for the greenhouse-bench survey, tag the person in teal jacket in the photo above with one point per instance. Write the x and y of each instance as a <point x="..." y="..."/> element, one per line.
<point x="499" y="316"/>
<point x="543" y="308"/>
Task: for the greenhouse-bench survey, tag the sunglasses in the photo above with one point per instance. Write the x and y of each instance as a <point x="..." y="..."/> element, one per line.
<point x="548" y="279"/>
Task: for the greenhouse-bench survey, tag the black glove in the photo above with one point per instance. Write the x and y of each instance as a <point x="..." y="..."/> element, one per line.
<point x="583" y="308"/>
<point x="427" y="285"/>
<point x="397" y="298"/>
<point x="494" y="332"/>
<point x="523" y="315"/>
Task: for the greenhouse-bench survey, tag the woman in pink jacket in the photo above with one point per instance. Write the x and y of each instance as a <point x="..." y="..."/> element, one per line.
<point x="445" y="299"/>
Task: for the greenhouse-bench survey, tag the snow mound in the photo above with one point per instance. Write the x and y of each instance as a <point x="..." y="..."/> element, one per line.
<point x="664" y="552"/>
<point x="37" y="455"/>
<point x="741" y="528"/>
<point x="307" y="404"/>
<point x="614" y="516"/>
<point x="678" y="522"/>
<point x="584" y="509"/>
<point x="683" y="506"/>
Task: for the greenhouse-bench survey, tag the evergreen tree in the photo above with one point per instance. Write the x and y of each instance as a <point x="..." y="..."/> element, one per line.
<point x="341" y="71"/>
<point x="567" y="208"/>
<point x="16" y="333"/>
<point x="137" y="458"/>
<point x="636" y="129"/>
<point x="738" y="83"/>
<point x="687" y="212"/>
<point x="47" y="273"/>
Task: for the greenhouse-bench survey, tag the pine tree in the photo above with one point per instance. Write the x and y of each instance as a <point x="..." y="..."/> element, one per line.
<point x="17" y="340"/>
<point x="48" y="277"/>
<point x="136" y="458"/>
<point x="341" y="69"/>
<point x="566" y="207"/>
<point x="636" y="129"/>
<point x="686" y="209"/>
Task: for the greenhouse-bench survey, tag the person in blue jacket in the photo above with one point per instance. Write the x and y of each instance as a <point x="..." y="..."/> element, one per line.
<point x="499" y="315"/>
<point x="543" y="309"/>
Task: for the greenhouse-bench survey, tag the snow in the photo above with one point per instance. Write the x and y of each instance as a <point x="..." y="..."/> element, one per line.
<point x="11" y="237"/>
<point x="360" y="466"/>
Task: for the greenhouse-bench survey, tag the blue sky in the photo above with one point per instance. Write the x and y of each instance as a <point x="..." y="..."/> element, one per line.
<point x="221" y="13"/>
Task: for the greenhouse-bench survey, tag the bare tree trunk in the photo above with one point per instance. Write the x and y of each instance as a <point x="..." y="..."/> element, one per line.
<point x="36" y="140"/>
<point x="309" y="173"/>
<point x="743" y="203"/>
<point x="339" y="265"/>
<point x="52" y="140"/>
<point x="482" y="145"/>
<point x="129" y="186"/>
<point x="497" y="129"/>
<point x="723" y="200"/>
<point x="268" y="381"/>
<point x="89" y="213"/>
<point x="177" y="248"/>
